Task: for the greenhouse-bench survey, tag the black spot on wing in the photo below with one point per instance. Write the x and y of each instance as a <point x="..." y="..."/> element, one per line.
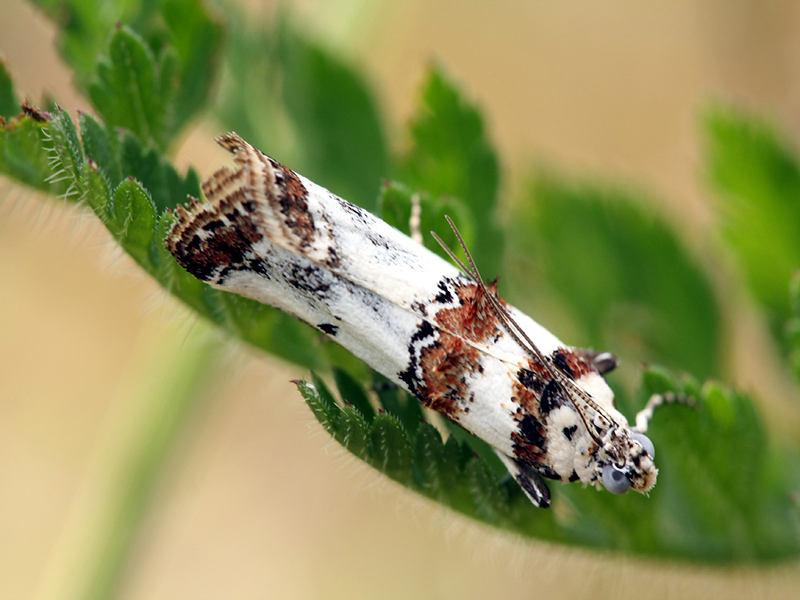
<point x="560" y="361"/>
<point x="533" y="432"/>
<point x="444" y="296"/>
<point x="261" y="267"/>
<point x="552" y="398"/>
<point x="569" y="432"/>
<point x="308" y="278"/>
<point x="425" y="330"/>
<point x="409" y="375"/>
<point x="213" y="225"/>
<point x="333" y="261"/>
<point x="531" y="380"/>
<point x="328" y="328"/>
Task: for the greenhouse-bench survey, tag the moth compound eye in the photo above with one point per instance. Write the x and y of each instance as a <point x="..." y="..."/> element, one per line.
<point x="615" y="481"/>
<point x="646" y="443"/>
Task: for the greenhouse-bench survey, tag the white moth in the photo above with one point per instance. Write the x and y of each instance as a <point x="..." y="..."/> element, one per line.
<point x="439" y="333"/>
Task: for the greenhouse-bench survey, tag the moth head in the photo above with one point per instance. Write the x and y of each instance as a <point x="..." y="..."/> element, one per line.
<point x="630" y="464"/>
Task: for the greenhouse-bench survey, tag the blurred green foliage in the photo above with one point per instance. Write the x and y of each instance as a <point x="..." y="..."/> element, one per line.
<point x="8" y="103"/>
<point x="757" y="176"/>
<point x="152" y="81"/>
<point x="452" y="156"/>
<point x="306" y="107"/>
<point x="620" y="272"/>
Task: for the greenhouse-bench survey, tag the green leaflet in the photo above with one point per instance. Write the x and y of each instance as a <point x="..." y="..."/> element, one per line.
<point x="9" y="106"/>
<point x="155" y="72"/>
<point x="394" y="207"/>
<point x="195" y="39"/>
<point x="705" y="506"/>
<point x="129" y="92"/>
<point x="25" y="156"/>
<point x="451" y="155"/>
<point x="757" y="176"/>
<point x="307" y="108"/>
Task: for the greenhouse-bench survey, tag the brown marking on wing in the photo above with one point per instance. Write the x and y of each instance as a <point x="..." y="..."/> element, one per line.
<point x="261" y="197"/>
<point x="292" y="197"/>
<point x="572" y="363"/>
<point x="473" y="319"/>
<point x="530" y="439"/>
<point x="529" y="383"/>
<point x="205" y="240"/>
<point x="269" y="181"/>
<point x="445" y="365"/>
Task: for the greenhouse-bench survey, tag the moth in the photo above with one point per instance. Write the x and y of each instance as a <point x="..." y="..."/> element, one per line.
<point x="433" y="328"/>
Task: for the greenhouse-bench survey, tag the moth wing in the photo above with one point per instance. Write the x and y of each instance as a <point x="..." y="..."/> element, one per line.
<point x="528" y="479"/>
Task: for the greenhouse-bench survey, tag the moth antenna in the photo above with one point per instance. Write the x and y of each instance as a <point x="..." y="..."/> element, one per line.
<point x="511" y="326"/>
<point x="516" y="332"/>
<point x="453" y="256"/>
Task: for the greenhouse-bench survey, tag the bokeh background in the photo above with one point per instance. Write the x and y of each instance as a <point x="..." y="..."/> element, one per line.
<point x="256" y="501"/>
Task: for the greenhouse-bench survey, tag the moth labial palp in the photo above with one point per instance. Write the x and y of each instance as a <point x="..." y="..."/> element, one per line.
<point x="438" y="332"/>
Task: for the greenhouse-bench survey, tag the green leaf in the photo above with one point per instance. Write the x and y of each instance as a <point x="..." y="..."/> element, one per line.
<point x="452" y="156"/>
<point x="98" y="191"/>
<point x="395" y="205"/>
<point x="195" y="38"/>
<point x="396" y="402"/>
<point x="793" y="326"/>
<point x="322" y="403"/>
<point x="307" y="108"/>
<point x="391" y="450"/>
<point x="9" y="106"/>
<point x="154" y="84"/>
<point x="83" y="29"/>
<point x="66" y="152"/>
<point x="336" y="119"/>
<point x="249" y="97"/>
<point x="490" y="497"/>
<point x="25" y="156"/>
<point x="757" y="175"/>
<point x="128" y="92"/>
<point x="621" y="279"/>
<point x="722" y="495"/>
<point x="102" y="146"/>
<point x="429" y="462"/>
<point x="352" y="393"/>
<point x="167" y="188"/>
<point x="133" y="221"/>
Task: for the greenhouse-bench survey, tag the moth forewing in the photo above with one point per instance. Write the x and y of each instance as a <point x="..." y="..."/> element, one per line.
<point x="623" y="457"/>
<point x="444" y="336"/>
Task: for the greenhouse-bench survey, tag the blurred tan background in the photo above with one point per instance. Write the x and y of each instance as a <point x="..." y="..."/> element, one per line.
<point x="256" y="502"/>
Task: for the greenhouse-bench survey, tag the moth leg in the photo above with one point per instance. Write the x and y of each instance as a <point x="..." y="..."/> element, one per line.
<point x="415" y="221"/>
<point x="604" y="362"/>
<point x="644" y="416"/>
<point x="528" y="479"/>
